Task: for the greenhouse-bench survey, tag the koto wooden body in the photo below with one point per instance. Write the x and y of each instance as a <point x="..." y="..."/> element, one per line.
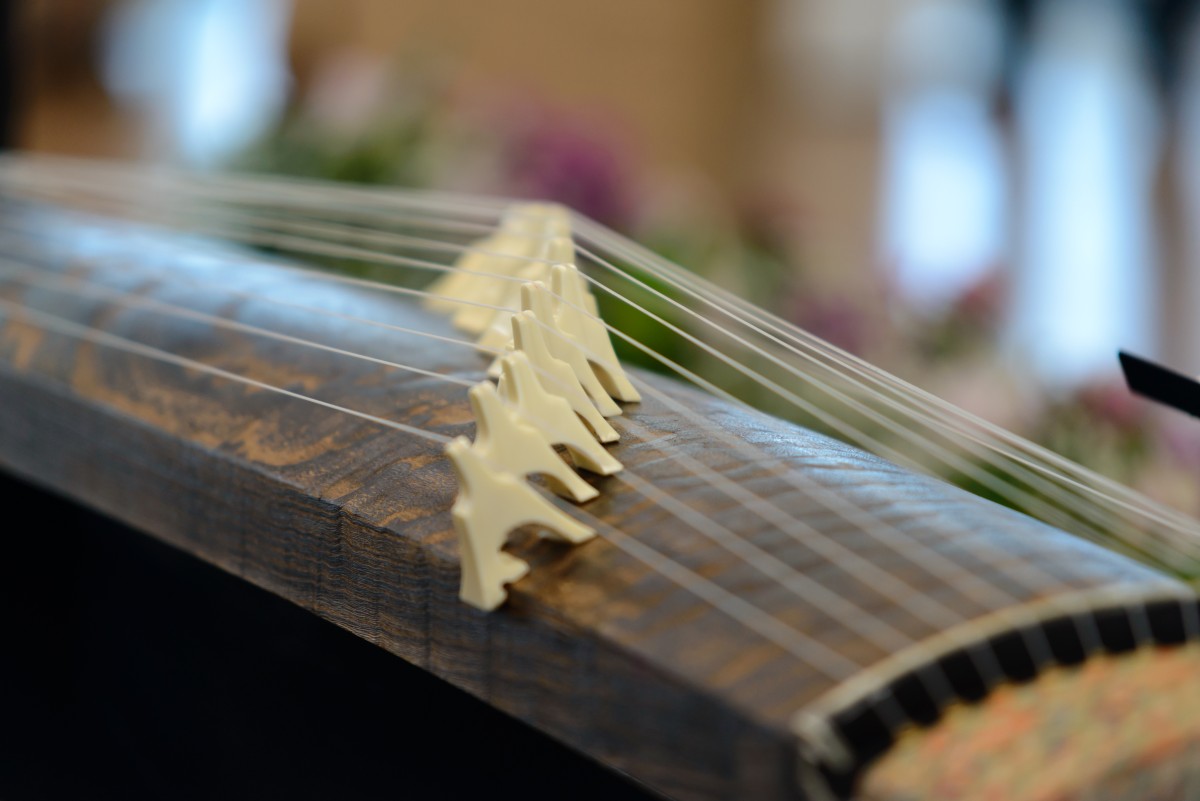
<point x="351" y="520"/>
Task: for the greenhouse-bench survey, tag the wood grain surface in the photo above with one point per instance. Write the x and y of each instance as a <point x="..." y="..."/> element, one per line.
<point x="350" y="520"/>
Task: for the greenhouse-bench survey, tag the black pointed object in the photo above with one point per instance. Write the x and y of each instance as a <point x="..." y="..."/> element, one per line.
<point x="1161" y="384"/>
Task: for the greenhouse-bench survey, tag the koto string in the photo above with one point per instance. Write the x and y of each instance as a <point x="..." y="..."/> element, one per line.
<point x="871" y="443"/>
<point x="732" y="488"/>
<point x="729" y="304"/>
<point x="1036" y="649"/>
<point x="870" y="629"/>
<point x="762" y="560"/>
<point x="367" y="236"/>
<point x="294" y="186"/>
<point x="996" y="438"/>
<point x="703" y="525"/>
<point x="768" y="511"/>
<point x="362" y="235"/>
<point x="775" y="630"/>
<point x="757" y="455"/>
<point x="62" y="325"/>
<point x="1139" y="500"/>
<point x="848" y="431"/>
<point x="457" y="206"/>
<point x="992" y="445"/>
<point x="706" y="525"/>
<point x="420" y="243"/>
<point x="985" y="478"/>
<point x="907" y="551"/>
<point x="493" y="206"/>
<point x="450" y="205"/>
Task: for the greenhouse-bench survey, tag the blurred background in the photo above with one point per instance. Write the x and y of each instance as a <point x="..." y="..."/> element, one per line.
<point x="986" y="197"/>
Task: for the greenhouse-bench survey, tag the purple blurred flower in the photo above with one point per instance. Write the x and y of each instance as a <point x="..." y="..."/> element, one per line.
<point x="1112" y="403"/>
<point x="348" y="91"/>
<point x="772" y="221"/>
<point x="982" y="304"/>
<point x="1180" y="438"/>
<point x="555" y="160"/>
<point x="834" y="319"/>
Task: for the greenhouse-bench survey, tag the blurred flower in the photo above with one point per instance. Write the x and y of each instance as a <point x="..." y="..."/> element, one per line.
<point x="1111" y="402"/>
<point x="771" y="222"/>
<point x="982" y="304"/>
<point x="988" y="389"/>
<point x="348" y="92"/>
<point x="554" y="159"/>
<point x="1179" y="438"/>
<point x="836" y="320"/>
<point x="966" y="327"/>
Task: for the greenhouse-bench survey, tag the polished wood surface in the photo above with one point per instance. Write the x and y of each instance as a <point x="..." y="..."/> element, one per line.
<point x="350" y="519"/>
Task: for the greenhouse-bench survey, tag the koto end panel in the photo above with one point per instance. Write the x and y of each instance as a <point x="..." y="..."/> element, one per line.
<point x="350" y="520"/>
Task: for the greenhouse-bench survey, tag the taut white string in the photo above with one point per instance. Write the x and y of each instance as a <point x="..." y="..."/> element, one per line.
<point x="992" y="481"/>
<point x="781" y="634"/>
<point x="985" y="478"/>
<point x="804" y="586"/>
<point x="942" y="559"/>
<point x="764" y="561"/>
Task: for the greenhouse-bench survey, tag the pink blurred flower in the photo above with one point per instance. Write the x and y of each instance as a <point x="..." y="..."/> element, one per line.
<point x="771" y="220"/>
<point x="1179" y="437"/>
<point x="555" y="159"/>
<point x="1113" y="403"/>
<point x="348" y="91"/>
<point x="834" y="319"/>
<point x="983" y="302"/>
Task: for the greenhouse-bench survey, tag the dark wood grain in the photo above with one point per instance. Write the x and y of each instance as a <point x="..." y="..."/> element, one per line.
<point x="350" y="519"/>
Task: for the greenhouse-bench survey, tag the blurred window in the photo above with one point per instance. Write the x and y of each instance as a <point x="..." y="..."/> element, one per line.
<point x="1087" y="135"/>
<point x="943" y="214"/>
<point x="208" y="75"/>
